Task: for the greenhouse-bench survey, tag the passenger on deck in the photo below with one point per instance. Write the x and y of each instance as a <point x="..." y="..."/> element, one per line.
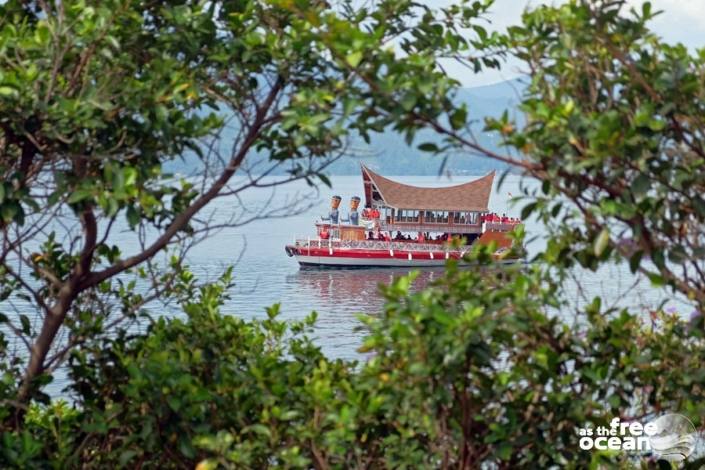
<point x="370" y="236"/>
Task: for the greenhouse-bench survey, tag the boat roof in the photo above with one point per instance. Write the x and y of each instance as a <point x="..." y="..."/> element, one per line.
<point x="473" y="196"/>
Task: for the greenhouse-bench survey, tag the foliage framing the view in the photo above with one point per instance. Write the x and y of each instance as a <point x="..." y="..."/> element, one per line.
<point x="474" y="370"/>
<point x="97" y="97"/>
<point x="615" y="134"/>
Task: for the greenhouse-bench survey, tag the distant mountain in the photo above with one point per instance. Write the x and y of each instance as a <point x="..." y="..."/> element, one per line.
<point x="389" y="154"/>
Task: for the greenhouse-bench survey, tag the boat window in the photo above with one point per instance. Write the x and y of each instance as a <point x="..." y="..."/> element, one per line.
<point x="388" y="214"/>
<point x="436" y="217"/>
<point x="460" y="218"/>
<point x="407" y="215"/>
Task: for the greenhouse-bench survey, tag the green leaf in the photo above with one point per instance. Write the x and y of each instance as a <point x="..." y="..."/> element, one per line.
<point x="601" y="242"/>
<point x="504" y="451"/>
<point x="26" y="324"/>
<point x="260" y="429"/>
<point x="126" y="456"/>
<point x="635" y="261"/>
<point x="528" y="209"/>
<point x="458" y="118"/>
<point x="408" y="102"/>
<point x="78" y="196"/>
<point x="656" y="279"/>
<point x="9" y="211"/>
<point x="641" y="185"/>
<point x="428" y="147"/>
<point x="130" y="176"/>
<point x="133" y="217"/>
<point x="699" y="205"/>
<point x="656" y="125"/>
<point x="8" y="91"/>
<point x="354" y="58"/>
<point x="646" y="10"/>
<point x="325" y="180"/>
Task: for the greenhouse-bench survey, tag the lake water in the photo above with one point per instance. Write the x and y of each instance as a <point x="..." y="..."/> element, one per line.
<point x="265" y="275"/>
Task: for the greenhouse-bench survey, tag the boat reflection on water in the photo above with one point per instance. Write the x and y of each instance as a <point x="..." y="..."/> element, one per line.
<point x="359" y="287"/>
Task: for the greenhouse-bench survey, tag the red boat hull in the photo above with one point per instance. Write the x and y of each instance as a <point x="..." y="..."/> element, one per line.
<point x="356" y="257"/>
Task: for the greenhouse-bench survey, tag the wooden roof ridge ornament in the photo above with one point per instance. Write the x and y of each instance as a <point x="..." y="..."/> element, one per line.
<point x="473" y="196"/>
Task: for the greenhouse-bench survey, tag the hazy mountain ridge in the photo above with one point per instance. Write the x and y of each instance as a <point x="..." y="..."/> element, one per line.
<point x="389" y="154"/>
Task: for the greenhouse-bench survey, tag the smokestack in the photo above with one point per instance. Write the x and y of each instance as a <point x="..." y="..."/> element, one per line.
<point x="354" y="216"/>
<point x="334" y="203"/>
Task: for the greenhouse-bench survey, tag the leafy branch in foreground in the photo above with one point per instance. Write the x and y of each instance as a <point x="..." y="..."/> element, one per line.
<point x="98" y="99"/>
<point x="615" y="135"/>
<point x="471" y="371"/>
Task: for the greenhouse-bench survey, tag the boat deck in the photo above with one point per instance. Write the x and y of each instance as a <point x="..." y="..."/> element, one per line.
<point x="399" y="245"/>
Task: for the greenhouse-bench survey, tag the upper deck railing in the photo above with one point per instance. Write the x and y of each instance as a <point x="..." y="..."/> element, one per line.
<point x="414" y="227"/>
<point x="391" y="227"/>
<point x="399" y="245"/>
<point x="499" y="226"/>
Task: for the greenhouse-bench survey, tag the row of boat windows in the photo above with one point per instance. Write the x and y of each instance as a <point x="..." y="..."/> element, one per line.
<point x="436" y="217"/>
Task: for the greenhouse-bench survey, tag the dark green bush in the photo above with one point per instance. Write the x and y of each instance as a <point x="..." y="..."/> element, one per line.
<point x="472" y="370"/>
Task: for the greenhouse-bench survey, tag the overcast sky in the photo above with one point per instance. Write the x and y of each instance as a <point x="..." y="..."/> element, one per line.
<point x="680" y="21"/>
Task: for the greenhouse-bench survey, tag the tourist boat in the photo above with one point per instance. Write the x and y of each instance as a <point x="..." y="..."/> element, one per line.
<point x="457" y="215"/>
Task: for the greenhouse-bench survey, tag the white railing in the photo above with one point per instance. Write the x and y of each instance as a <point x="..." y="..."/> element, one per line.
<point x="402" y="227"/>
<point x="374" y="245"/>
<point x="499" y="226"/>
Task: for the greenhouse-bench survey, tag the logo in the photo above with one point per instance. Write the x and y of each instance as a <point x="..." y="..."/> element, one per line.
<point x="674" y="439"/>
<point x="671" y="437"/>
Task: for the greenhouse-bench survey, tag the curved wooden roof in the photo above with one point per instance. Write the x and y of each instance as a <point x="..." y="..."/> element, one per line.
<point x="473" y="196"/>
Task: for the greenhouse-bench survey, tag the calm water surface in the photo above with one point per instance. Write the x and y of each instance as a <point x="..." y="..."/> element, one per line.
<point x="265" y="275"/>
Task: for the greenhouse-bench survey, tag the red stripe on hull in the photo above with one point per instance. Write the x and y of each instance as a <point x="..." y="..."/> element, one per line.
<point x="373" y="254"/>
